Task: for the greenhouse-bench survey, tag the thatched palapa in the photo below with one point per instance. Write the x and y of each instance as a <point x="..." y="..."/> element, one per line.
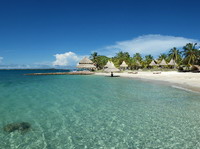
<point x="153" y="63"/>
<point x="163" y="63"/>
<point x="111" y="68"/>
<point x="172" y="63"/>
<point x="195" y="68"/>
<point x="123" y="65"/>
<point x="138" y="63"/>
<point x="107" y="64"/>
<point x="86" y="63"/>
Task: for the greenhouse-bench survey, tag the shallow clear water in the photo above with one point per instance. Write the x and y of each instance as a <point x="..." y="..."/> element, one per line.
<point x="70" y="111"/>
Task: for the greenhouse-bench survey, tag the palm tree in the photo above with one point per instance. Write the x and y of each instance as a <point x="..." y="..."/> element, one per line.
<point x="120" y="57"/>
<point x="190" y="53"/>
<point x="175" y="54"/>
<point x="94" y="56"/>
<point x="137" y="57"/>
<point x="198" y="58"/>
<point x="147" y="60"/>
<point x="137" y="60"/>
<point x="162" y="56"/>
<point x="131" y="63"/>
<point x="101" y="61"/>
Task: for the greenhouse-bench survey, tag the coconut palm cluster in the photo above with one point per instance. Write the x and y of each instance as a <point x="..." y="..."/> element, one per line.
<point x="186" y="58"/>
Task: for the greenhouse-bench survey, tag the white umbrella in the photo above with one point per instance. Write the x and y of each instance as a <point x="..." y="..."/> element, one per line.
<point x="111" y="68"/>
<point x="172" y="63"/>
<point x="124" y="65"/>
<point x="163" y="63"/>
<point x="107" y="64"/>
<point x="153" y="63"/>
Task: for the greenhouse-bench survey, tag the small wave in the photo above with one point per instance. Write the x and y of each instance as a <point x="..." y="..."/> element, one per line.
<point x="182" y="88"/>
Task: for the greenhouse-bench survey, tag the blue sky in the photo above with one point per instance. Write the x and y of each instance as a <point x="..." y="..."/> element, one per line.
<point x="60" y="32"/>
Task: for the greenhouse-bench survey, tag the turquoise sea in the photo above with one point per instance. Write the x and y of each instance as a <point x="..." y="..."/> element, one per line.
<point x="77" y="112"/>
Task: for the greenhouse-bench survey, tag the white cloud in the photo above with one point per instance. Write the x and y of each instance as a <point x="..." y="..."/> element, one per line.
<point x="66" y="59"/>
<point x="147" y="44"/>
<point x="1" y="58"/>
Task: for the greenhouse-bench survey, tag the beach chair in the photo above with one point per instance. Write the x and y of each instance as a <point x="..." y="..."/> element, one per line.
<point x="133" y="72"/>
<point x="157" y="72"/>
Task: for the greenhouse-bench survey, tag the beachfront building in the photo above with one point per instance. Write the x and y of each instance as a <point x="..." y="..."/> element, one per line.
<point x="86" y="63"/>
<point x="123" y="66"/>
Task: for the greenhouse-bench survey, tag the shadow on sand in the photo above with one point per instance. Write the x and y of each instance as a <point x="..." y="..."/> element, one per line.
<point x="112" y="76"/>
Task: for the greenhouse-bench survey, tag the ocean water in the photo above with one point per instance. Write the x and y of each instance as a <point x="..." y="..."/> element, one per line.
<point x="77" y="112"/>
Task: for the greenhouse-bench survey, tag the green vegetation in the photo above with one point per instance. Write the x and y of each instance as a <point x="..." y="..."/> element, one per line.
<point x="147" y="60"/>
<point x="175" y="54"/>
<point x="99" y="60"/>
<point x="163" y="56"/>
<point x="120" y="57"/>
<point x="187" y="57"/>
<point x="191" y="54"/>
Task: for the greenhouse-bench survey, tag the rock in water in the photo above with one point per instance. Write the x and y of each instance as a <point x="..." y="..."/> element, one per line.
<point x="22" y="127"/>
<point x="11" y="127"/>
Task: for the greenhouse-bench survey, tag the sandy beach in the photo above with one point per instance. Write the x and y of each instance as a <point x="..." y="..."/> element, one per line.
<point x="187" y="81"/>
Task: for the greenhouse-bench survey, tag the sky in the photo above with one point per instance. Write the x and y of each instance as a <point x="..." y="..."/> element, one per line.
<point x="48" y="33"/>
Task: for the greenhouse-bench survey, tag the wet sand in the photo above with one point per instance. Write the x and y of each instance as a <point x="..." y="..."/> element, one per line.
<point x="187" y="81"/>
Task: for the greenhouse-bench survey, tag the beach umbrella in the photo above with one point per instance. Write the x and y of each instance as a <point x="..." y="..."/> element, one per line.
<point x="172" y="63"/>
<point x="138" y="63"/>
<point x="153" y="63"/>
<point x="195" y="67"/>
<point x="123" y="65"/>
<point x="163" y="63"/>
<point x="111" y="68"/>
<point x="107" y="64"/>
<point x="86" y="63"/>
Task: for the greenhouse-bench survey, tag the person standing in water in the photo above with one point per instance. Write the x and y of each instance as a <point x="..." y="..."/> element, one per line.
<point x="111" y="74"/>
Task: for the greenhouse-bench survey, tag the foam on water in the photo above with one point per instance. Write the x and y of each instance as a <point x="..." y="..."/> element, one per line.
<point x="96" y="112"/>
<point x="183" y="88"/>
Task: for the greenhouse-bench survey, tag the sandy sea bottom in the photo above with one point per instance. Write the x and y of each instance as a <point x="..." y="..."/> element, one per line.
<point x="75" y="112"/>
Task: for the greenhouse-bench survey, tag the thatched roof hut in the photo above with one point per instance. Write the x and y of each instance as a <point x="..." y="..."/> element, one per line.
<point x="138" y="63"/>
<point x="123" y="65"/>
<point x="153" y="63"/>
<point x="163" y="63"/>
<point x="172" y="63"/>
<point x="107" y="64"/>
<point x="86" y="64"/>
<point x="111" y="68"/>
<point x="195" y="68"/>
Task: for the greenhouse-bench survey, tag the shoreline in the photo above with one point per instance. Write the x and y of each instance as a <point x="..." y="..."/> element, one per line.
<point x="184" y="81"/>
